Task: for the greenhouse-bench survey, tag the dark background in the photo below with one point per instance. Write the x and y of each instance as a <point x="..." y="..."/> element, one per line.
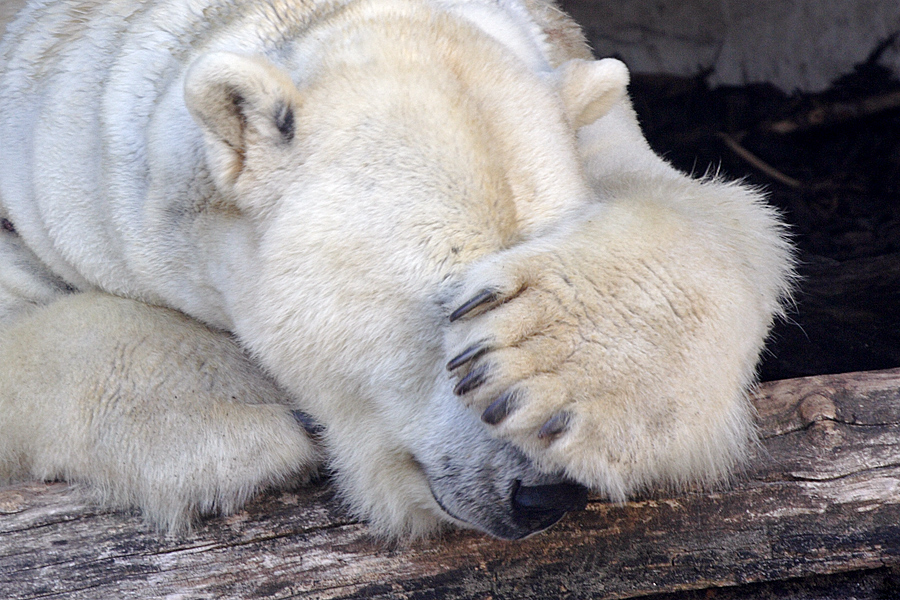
<point x="831" y="162"/>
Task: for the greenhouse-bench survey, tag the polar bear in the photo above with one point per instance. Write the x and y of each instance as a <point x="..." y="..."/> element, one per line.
<point x="433" y="226"/>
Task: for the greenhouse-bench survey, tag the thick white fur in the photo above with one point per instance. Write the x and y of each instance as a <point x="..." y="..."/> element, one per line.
<point x="327" y="181"/>
<point x="133" y="399"/>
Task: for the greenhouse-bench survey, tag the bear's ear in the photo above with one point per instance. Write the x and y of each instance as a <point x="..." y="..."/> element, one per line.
<point x="239" y="101"/>
<point x="589" y="88"/>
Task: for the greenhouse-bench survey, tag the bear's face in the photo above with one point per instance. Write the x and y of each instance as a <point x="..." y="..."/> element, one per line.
<point x="341" y="183"/>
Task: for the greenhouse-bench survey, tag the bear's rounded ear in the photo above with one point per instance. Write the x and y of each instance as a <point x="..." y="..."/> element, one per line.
<point x="239" y="101"/>
<point x="590" y="88"/>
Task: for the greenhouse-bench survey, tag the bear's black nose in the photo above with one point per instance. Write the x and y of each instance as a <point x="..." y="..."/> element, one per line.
<point x="538" y="507"/>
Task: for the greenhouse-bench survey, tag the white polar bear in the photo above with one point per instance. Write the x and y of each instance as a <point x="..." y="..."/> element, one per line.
<point x="432" y="225"/>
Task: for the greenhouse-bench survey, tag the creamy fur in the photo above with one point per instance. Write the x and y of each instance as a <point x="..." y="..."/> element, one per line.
<point x="128" y="397"/>
<point x="327" y="182"/>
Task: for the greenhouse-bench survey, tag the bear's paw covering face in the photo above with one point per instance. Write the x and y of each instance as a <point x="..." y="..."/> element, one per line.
<point x="433" y="227"/>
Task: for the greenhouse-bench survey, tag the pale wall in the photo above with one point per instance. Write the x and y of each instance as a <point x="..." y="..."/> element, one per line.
<point x="792" y="43"/>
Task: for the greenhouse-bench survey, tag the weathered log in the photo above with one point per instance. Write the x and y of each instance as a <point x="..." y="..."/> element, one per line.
<point x="822" y="495"/>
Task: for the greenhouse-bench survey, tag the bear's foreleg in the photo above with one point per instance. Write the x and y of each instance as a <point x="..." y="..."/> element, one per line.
<point x="148" y="407"/>
<point x="620" y="348"/>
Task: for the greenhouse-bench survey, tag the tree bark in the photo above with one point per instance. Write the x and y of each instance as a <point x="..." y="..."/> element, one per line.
<point x="821" y="495"/>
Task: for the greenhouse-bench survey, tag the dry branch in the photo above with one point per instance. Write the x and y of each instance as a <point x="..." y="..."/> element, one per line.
<point x="821" y="496"/>
<point x="758" y="163"/>
<point x="832" y="113"/>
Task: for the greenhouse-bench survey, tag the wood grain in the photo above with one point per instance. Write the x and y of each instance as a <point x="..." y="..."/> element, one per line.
<point x="822" y="495"/>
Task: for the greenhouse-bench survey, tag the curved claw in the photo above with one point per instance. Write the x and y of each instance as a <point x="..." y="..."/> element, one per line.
<point x="467" y="355"/>
<point x="554" y="426"/>
<point x="483" y="297"/>
<point x="499" y="408"/>
<point x="471" y="381"/>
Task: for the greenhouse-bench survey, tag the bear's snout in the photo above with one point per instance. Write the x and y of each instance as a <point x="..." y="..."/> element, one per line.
<point x="536" y="508"/>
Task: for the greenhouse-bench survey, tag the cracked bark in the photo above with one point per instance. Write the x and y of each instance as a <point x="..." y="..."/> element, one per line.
<point x="822" y="495"/>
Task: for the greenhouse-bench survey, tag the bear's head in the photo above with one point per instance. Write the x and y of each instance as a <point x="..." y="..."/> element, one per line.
<point x="364" y="166"/>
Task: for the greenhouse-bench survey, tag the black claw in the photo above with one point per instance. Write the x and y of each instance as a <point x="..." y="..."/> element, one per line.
<point x="469" y="354"/>
<point x="554" y="426"/>
<point x="499" y="408"/>
<point x="471" y="381"/>
<point x="482" y="297"/>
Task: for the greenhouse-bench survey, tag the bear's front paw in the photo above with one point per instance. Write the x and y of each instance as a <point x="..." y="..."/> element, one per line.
<point x="514" y="343"/>
<point x="613" y="374"/>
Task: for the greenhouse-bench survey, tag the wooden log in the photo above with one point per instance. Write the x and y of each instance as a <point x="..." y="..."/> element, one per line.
<point x="822" y="495"/>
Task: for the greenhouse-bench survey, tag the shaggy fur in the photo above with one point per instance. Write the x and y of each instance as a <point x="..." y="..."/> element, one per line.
<point x="432" y="225"/>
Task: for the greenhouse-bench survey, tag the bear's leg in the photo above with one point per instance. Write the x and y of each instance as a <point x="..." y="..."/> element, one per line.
<point x="620" y="348"/>
<point x="148" y="407"/>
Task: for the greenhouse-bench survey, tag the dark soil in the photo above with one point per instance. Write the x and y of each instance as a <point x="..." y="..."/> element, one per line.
<point x="831" y="163"/>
